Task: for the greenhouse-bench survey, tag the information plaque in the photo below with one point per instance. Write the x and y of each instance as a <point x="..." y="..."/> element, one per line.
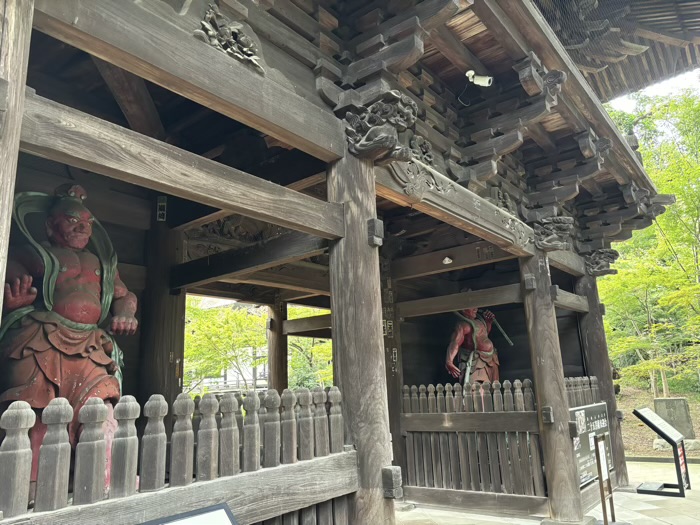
<point x="591" y="421"/>
<point x="675" y="439"/>
<point x="214" y="515"/>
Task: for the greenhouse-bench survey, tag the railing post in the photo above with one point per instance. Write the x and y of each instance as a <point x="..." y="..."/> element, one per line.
<point x="54" y="457"/>
<point x="90" y="454"/>
<point x="15" y="458"/>
<point x="153" y="445"/>
<point x="251" y="433"/>
<point x="182" y="442"/>
<point x="208" y="440"/>
<point x="229" y="448"/>
<point x="125" y="448"/>
<point x="271" y="447"/>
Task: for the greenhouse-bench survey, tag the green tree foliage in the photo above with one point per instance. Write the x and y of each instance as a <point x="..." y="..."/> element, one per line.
<point x="220" y="338"/>
<point x="653" y="304"/>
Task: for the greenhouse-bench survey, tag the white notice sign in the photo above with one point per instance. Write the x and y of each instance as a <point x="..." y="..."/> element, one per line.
<point x="215" y="515"/>
<point x="603" y="460"/>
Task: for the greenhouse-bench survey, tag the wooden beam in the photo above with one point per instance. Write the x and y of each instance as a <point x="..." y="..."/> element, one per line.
<point x="230" y="264"/>
<point x="14" y="57"/>
<point x="548" y="371"/>
<point x="455" y="51"/>
<point x="508" y="294"/>
<point x="296" y="486"/>
<point x="566" y="261"/>
<point x="472" y="501"/>
<point x="504" y="30"/>
<point x="659" y="35"/>
<point x="447" y="260"/>
<point x="290" y="277"/>
<point x="114" y="31"/>
<point x="133" y="98"/>
<point x="306" y="324"/>
<point x="63" y="134"/>
<point x="479" y="422"/>
<point x="541" y="39"/>
<point x="569" y="301"/>
<point x="455" y="205"/>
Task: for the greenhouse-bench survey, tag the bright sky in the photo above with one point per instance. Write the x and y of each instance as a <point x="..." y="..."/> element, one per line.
<point x="689" y="80"/>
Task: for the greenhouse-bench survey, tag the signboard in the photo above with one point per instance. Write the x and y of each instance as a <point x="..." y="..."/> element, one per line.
<point x="214" y="515"/>
<point x="591" y="421"/>
<point x="673" y="438"/>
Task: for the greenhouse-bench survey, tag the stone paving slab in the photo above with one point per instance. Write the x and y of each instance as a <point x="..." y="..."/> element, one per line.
<point x="636" y="509"/>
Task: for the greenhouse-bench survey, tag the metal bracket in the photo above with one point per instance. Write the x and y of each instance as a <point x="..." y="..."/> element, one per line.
<point x="547" y="415"/>
<point x="162" y="208"/>
<point x="375" y="232"/>
<point x="573" y="429"/>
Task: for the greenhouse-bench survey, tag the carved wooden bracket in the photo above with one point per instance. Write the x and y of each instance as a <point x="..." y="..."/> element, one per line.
<point x="598" y="262"/>
<point x="417" y="179"/>
<point x="554" y="233"/>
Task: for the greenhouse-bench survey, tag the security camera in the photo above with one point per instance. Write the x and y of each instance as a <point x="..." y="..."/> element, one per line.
<point x="479" y="80"/>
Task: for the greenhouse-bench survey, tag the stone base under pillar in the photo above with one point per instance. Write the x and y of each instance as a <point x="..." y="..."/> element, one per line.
<point x="690" y="444"/>
<point x="587" y="520"/>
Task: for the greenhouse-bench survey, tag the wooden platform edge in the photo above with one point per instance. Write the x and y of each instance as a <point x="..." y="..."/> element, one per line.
<point x="290" y="487"/>
<point x="503" y="504"/>
<point x="479" y="422"/>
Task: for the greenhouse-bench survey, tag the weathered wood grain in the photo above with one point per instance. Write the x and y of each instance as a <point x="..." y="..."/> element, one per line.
<point x="435" y="262"/>
<point x="54" y="457"/>
<point x="90" y="454"/>
<point x="595" y="349"/>
<point x="506" y="468"/>
<point x="16" y="458"/>
<point x="560" y="467"/>
<point x="295" y="486"/>
<point x="569" y="301"/>
<point x="14" y="57"/>
<point x="182" y="442"/>
<point x="232" y="263"/>
<point x="451" y="303"/>
<point x="306" y="324"/>
<point x="535" y="454"/>
<point x="60" y="133"/>
<point x="153" y="445"/>
<point x="507" y="504"/>
<point x="193" y="69"/>
<point x="358" y="357"/>
<point x="482" y="422"/>
<point x="125" y="449"/>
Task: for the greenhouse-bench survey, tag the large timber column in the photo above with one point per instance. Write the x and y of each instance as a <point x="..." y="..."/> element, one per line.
<point x="595" y="348"/>
<point x="394" y="365"/>
<point x="358" y="353"/>
<point x="548" y="371"/>
<point x="162" y="319"/>
<point x="278" y="375"/>
<point x="14" y="56"/>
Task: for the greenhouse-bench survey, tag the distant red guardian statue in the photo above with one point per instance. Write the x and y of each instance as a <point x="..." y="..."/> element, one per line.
<point x="478" y="360"/>
<point x="50" y="342"/>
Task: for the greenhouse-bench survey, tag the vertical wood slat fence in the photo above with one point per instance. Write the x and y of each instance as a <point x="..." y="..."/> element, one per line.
<point x="582" y="391"/>
<point x="276" y="459"/>
<point x="482" y="439"/>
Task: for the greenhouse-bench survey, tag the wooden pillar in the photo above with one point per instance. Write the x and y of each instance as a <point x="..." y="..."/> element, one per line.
<point x="278" y="374"/>
<point x="162" y="320"/>
<point x="358" y="356"/>
<point x="548" y="371"/>
<point x="16" y="31"/>
<point x="595" y="349"/>
<point x="394" y="366"/>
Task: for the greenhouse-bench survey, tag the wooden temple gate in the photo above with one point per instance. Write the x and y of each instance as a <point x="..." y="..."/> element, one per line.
<point x="329" y="154"/>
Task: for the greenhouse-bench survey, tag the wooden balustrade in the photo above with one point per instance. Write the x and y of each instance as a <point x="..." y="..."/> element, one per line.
<point x="582" y="391"/>
<point x="299" y="460"/>
<point x="481" y="438"/>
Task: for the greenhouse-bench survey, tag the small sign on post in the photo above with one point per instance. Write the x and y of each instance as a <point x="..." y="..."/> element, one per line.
<point x="606" y="491"/>
<point x="213" y="515"/>
<point x="675" y="439"/>
<point x="591" y="422"/>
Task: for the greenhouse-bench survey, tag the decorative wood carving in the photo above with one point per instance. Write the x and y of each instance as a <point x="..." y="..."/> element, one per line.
<point x="554" y="233"/>
<point x="228" y="37"/>
<point x="598" y="262"/>
<point x="378" y="132"/>
<point x="417" y="179"/>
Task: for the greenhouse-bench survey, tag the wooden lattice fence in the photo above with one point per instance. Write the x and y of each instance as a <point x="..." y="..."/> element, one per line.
<point x="277" y="459"/>
<point x="482" y="438"/>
